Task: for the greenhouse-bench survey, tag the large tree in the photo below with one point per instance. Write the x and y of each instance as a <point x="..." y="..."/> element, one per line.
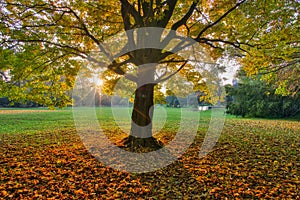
<point x="55" y="32"/>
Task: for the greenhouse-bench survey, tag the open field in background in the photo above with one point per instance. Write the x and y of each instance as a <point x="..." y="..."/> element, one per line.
<point x="41" y="156"/>
<point x="34" y="120"/>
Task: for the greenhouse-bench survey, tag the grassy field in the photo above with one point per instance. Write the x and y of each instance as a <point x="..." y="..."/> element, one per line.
<point x="42" y="156"/>
<point x="40" y="120"/>
<point x="34" y="120"/>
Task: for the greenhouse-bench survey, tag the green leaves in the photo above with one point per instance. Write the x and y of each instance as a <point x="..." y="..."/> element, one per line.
<point x="253" y="97"/>
<point x="276" y="52"/>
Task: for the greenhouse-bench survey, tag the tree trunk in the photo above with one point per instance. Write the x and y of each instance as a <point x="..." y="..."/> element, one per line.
<point x="141" y="120"/>
<point x="141" y="124"/>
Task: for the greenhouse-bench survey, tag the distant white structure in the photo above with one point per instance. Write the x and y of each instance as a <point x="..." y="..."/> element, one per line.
<point x="203" y="108"/>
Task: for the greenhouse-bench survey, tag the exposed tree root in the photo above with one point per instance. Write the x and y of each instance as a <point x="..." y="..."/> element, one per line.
<point x="140" y="145"/>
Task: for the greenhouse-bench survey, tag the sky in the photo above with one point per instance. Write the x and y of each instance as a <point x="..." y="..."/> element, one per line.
<point x="231" y="66"/>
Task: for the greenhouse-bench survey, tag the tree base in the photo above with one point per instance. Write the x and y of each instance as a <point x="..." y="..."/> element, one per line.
<point x="140" y="145"/>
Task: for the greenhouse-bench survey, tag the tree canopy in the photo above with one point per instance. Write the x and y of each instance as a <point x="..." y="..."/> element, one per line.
<point x="39" y="39"/>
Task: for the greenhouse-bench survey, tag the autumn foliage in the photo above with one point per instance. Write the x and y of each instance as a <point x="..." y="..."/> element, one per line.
<point x="254" y="159"/>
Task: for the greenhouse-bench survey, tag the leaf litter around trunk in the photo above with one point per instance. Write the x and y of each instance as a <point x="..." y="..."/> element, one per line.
<point x="253" y="159"/>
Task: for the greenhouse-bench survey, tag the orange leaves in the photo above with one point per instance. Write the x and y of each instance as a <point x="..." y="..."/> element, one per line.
<point x="254" y="159"/>
<point x="80" y="192"/>
<point x="4" y="193"/>
<point x="216" y="189"/>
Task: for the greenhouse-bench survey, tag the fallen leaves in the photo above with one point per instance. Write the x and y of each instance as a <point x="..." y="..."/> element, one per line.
<point x="251" y="160"/>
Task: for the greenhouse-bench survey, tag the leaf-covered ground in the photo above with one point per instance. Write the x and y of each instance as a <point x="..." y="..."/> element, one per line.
<point x="254" y="159"/>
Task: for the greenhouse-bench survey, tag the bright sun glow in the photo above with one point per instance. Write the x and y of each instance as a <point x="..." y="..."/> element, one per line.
<point x="97" y="81"/>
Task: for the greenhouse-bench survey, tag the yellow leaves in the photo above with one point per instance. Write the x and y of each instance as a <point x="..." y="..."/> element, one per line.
<point x="4" y="193"/>
<point x="216" y="189"/>
<point x="80" y="191"/>
<point x="275" y="163"/>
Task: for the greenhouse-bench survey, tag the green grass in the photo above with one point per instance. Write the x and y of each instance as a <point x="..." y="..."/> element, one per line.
<point x="34" y="120"/>
<point x="253" y="159"/>
<point x="40" y="119"/>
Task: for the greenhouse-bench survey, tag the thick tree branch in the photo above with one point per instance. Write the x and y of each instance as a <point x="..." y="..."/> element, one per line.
<point x="127" y="9"/>
<point x="147" y="10"/>
<point x="234" y="44"/>
<point x="219" y="19"/>
<point x="126" y="18"/>
<point x="184" y="19"/>
<point x="116" y="67"/>
<point x="167" y="14"/>
<point x="213" y="46"/>
<point x="171" y="61"/>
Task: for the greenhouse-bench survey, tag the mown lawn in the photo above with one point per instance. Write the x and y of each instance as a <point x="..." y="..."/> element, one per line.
<point x="42" y="157"/>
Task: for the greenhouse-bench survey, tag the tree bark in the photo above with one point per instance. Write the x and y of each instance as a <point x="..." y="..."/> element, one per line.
<point x="142" y="114"/>
<point x="141" y="125"/>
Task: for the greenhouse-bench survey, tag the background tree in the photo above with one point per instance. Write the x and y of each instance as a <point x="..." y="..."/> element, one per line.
<point x="276" y="54"/>
<point x="254" y="97"/>
<point x="54" y="34"/>
<point x="26" y="82"/>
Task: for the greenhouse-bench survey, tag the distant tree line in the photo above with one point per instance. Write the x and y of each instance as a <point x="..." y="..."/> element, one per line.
<point x="253" y="97"/>
<point x="94" y="98"/>
<point x="5" y="102"/>
<point x="97" y="99"/>
<point x="192" y="100"/>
